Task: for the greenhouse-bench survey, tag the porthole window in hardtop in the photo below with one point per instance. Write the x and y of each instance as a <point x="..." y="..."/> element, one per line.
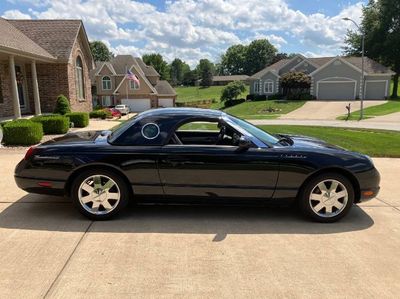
<point x="150" y="131"/>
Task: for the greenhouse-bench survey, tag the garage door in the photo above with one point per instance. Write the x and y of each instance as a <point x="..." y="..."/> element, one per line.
<point x="336" y="90"/>
<point x="137" y="105"/>
<point x="166" y="102"/>
<point x="375" y="90"/>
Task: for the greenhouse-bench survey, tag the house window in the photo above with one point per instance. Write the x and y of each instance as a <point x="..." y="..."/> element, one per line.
<point x="133" y="85"/>
<point x="268" y="87"/>
<point x="106" y="83"/>
<point x="256" y="87"/>
<point x="80" y="90"/>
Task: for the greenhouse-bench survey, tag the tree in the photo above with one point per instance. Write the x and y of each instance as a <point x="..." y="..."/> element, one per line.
<point x="190" y="78"/>
<point x="232" y="91"/>
<point x="241" y="59"/>
<point x="260" y="53"/>
<point x="177" y="70"/>
<point x="160" y="65"/>
<point x="280" y="56"/>
<point x="381" y="26"/>
<point x="100" y="51"/>
<point x="233" y="62"/>
<point x="206" y="70"/>
<point x="295" y="83"/>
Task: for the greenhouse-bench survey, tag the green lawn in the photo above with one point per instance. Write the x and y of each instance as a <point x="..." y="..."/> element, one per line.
<point x="391" y="106"/>
<point x="196" y="93"/>
<point x="259" y="109"/>
<point x="249" y="110"/>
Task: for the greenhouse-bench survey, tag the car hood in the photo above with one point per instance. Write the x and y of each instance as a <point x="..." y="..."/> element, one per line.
<point x="79" y="138"/>
<point x="310" y="142"/>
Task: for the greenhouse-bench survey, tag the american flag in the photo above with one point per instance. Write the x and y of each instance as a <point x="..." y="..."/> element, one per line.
<point x="132" y="77"/>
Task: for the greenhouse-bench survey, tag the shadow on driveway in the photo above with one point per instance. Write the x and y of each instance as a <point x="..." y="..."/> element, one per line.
<point x="45" y="214"/>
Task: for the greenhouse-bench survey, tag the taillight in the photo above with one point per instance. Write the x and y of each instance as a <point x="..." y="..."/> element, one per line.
<point x="29" y="152"/>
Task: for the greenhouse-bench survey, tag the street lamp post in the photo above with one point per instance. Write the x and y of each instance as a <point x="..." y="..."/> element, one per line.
<point x="362" y="66"/>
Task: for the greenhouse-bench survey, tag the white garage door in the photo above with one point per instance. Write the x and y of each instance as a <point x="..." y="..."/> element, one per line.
<point x="166" y="102"/>
<point x="375" y="90"/>
<point x="331" y="90"/>
<point x="137" y="105"/>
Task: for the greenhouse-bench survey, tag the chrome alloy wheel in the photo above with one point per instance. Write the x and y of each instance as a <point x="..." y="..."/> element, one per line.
<point x="99" y="194"/>
<point x="328" y="198"/>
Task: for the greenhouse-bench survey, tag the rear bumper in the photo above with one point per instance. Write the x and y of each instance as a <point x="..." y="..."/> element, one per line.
<point x="40" y="186"/>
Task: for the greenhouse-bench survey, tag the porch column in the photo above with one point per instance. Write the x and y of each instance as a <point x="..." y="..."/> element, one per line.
<point x="14" y="88"/>
<point x="35" y="88"/>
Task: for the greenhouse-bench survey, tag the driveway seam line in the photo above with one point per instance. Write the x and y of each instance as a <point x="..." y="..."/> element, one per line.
<point x="396" y="208"/>
<point x="67" y="261"/>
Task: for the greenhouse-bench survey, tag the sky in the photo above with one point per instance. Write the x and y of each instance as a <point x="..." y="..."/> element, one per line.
<point x="196" y="29"/>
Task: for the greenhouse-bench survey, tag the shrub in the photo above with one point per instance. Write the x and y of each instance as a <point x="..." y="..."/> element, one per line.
<point x="22" y="132"/>
<point x="80" y="119"/>
<point x="53" y="124"/>
<point x="230" y="103"/>
<point x="232" y="91"/>
<point x="62" y="105"/>
<point x="277" y="96"/>
<point x="103" y="114"/>
<point x="250" y="97"/>
<point x="260" y="97"/>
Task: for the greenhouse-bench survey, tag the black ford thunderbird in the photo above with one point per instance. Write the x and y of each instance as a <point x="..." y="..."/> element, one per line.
<point x="171" y="155"/>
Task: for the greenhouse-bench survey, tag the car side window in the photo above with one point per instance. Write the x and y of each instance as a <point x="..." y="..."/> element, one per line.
<point x="205" y="133"/>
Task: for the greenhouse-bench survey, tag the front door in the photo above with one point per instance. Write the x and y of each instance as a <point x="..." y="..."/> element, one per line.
<point x="23" y="103"/>
<point x="218" y="171"/>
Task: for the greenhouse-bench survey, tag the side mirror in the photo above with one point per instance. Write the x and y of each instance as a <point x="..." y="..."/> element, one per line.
<point x="244" y="143"/>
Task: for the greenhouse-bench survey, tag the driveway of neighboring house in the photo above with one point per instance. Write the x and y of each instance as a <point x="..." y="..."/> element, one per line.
<point x="49" y="250"/>
<point x="393" y="117"/>
<point x="326" y="110"/>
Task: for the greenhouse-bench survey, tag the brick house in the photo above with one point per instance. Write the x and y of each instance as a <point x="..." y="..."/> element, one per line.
<point x="112" y="88"/>
<point x="40" y="59"/>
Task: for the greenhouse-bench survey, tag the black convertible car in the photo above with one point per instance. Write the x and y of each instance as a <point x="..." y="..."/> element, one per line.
<point x="162" y="156"/>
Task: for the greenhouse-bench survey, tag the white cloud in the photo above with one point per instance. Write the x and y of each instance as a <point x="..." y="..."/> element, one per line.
<point x="192" y="29"/>
<point x="15" y="14"/>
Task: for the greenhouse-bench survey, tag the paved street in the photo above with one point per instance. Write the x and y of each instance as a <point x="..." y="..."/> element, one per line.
<point x="48" y="249"/>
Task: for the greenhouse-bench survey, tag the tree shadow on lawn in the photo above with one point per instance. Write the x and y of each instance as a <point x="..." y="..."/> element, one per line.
<point x="46" y="213"/>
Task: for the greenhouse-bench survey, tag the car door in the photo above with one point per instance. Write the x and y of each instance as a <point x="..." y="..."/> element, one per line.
<point x="218" y="171"/>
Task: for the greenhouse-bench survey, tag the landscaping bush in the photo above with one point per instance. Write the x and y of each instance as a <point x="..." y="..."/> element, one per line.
<point x="232" y="91"/>
<point x="230" y="103"/>
<point x="250" y="97"/>
<point x="277" y="96"/>
<point x="62" y="105"/>
<point x="22" y="132"/>
<point x="103" y="114"/>
<point x="53" y="124"/>
<point x="260" y="97"/>
<point x="80" y="119"/>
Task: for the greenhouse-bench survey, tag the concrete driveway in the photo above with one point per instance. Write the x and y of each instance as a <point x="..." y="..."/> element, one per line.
<point x="49" y="250"/>
<point x="326" y="110"/>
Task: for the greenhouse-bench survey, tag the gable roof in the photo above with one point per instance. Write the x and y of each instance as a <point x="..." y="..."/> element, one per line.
<point x="12" y="39"/>
<point x="164" y="88"/>
<point x="57" y="37"/>
<point x="370" y="66"/>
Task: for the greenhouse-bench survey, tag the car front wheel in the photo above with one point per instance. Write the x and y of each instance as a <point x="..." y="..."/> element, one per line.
<point x="327" y="197"/>
<point x="99" y="194"/>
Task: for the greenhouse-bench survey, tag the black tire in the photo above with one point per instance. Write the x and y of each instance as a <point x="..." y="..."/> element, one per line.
<point x="119" y="183"/>
<point x="306" y="204"/>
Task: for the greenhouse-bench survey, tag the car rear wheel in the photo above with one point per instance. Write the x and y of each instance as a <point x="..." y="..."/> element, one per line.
<point x="327" y="197"/>
<point x="99" y="194"/>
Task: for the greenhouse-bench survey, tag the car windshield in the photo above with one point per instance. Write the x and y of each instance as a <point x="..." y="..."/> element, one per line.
<point x="253" y="130"/>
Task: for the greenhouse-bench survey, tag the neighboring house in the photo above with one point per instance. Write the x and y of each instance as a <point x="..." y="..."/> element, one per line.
<point x="224" y="80"/>
<point x="40" y="59"/>
<point x="332" y="78"/>
<point x="113" y="88"/>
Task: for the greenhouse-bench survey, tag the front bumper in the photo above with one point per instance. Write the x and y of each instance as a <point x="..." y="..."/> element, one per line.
<point x="369" y="184"/>
<point x="40" y="186"/>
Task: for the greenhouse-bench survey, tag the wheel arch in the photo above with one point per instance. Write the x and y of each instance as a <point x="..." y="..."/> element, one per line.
<point x="338" y="170"/>
<point x="99" y="166"/>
